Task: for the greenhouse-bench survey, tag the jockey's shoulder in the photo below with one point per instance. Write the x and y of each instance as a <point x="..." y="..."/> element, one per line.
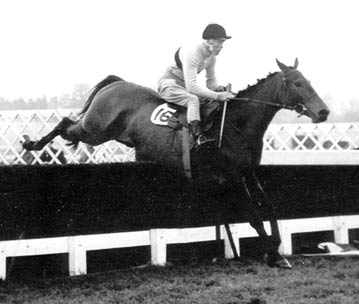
<point x="197" y="51"/>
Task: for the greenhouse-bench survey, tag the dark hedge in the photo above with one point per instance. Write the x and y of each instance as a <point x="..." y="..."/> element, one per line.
<point x="39" y="201"/>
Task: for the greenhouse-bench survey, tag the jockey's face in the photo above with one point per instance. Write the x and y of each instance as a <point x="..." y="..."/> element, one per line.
<point x="215" y="45"/>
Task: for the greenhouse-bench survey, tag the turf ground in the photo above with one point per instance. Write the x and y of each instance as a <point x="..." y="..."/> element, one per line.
<point x="319" y="280"/>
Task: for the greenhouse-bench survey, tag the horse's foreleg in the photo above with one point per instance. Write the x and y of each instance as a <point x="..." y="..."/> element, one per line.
<point x="274" y="259"/>
<point x="60" y="129"/>
<point x="261" y="197"/>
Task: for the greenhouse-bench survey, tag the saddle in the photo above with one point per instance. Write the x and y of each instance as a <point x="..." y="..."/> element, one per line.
<point x="175" y="117"/>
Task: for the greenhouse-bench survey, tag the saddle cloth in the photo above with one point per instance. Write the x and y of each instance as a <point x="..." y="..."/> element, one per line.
<point x="175" y="117"/>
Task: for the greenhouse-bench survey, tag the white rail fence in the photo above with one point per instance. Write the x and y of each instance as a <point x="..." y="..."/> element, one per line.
<point x="326" y="143"/>
<point x="77" y="246"/>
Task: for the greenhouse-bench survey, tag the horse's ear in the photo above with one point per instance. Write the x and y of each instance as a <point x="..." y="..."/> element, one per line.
<point x="282" y="66"/>
<point x="295" y="63"/>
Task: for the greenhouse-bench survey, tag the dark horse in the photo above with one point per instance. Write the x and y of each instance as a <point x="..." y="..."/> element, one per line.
<point x="120" y="110"/>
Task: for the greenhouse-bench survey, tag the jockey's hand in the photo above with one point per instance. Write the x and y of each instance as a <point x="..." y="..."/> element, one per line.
<point x="223" y="96"/>
<point x="220" y="89"/>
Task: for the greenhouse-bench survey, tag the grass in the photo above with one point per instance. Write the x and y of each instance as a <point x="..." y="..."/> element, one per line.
<point x="248" y="281"/>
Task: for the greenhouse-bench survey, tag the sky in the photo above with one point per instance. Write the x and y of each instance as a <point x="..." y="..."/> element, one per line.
<point x="48" y="46"/>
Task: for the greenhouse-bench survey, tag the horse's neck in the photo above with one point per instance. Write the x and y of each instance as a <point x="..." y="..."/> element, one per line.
<point x="257" y="114"/>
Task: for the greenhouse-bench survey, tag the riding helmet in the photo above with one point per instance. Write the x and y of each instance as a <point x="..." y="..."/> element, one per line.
<point x="215" y="31"/>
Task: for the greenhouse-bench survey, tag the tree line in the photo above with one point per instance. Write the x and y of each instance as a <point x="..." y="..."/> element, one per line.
<point x="347" y="112"/>
<point x="74" y="100"/>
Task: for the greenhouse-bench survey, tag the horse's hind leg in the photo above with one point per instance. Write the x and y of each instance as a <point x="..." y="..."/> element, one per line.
<point x="64" y="129"/>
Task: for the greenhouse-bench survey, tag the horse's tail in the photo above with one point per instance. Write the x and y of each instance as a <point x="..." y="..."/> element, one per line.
<point x="105" y="82"/>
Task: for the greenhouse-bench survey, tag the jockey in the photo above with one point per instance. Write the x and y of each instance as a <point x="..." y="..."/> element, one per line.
<point x="179" y="83"/>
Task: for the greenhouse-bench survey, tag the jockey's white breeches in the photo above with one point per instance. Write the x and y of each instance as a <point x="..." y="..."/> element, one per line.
<point x="173" y="92"/>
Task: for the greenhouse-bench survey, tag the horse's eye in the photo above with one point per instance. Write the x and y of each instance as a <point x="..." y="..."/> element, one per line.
<point x="298" y="84"/>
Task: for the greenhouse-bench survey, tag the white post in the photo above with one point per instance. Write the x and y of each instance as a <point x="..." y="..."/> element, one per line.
<point x="158" y="247"/>
<point x="2" y="264"/>
<point x="228" y="251"/>
<point x="285" y="247"/>
<point x="341" y="233"/>
<point x="77" y="256"/>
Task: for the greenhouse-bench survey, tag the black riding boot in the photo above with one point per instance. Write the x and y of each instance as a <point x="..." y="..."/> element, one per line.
<point x="199" y="137"/>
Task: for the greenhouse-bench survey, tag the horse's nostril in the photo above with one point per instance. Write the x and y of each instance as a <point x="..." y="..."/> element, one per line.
<point x="324" y="113"/>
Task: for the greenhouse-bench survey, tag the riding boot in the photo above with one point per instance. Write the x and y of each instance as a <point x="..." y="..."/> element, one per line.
<point x="198" y="136"/>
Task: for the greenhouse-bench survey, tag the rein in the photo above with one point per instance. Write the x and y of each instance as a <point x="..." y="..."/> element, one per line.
<point x="300" y="108"/>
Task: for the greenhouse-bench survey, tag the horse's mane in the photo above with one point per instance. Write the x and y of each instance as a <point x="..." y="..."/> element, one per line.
<point x="255" y="87"/>
<point x="105" y="82"/>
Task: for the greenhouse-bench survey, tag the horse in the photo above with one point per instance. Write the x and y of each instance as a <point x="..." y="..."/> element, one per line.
<point x="120" y="110"/>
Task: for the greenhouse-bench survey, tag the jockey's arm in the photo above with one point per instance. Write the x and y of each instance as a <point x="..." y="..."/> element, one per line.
<point x="211" y="79"/>
<point x="190" y="69"/>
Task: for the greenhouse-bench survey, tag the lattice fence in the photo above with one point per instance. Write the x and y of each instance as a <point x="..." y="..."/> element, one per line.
<point x="321" y="137"/>
<point x="35" y="124"/>
<point x="280" y="139"/>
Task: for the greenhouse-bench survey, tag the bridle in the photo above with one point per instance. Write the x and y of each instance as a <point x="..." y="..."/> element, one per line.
<point x="300" y="108"/>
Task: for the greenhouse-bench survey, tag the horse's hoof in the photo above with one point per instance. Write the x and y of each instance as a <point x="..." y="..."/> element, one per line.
<point x="28" y="145"/>
<point x="280" y="262"/>
<point x="283" y="263"/>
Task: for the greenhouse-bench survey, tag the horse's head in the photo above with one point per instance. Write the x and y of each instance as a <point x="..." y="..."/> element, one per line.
<point x="297" y="91"/>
